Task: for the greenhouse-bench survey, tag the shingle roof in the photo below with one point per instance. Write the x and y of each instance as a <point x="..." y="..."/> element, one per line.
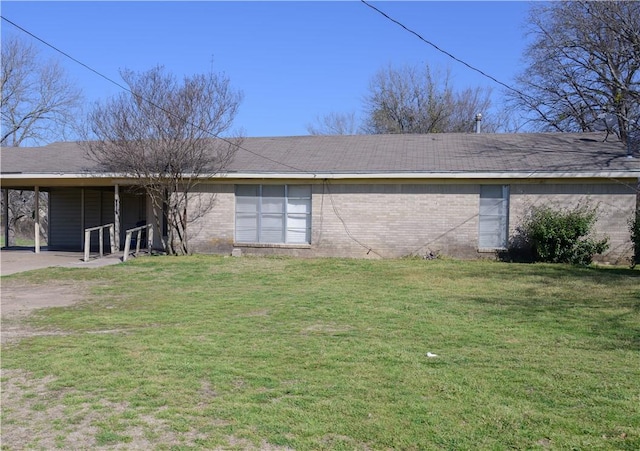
<point x="379" y="154"/>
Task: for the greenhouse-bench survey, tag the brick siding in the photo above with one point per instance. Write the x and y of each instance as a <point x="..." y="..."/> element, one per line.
<point x="366" y="220"/>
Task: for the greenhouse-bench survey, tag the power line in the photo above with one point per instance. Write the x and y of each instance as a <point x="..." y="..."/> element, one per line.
<point x="67" y="55"/>
<point x="426" y="41"/>
<point x="125" y="88"/>
<point x="238" y="146"/>
<point x="344" y="224"/>
<point x="325" y="182"/>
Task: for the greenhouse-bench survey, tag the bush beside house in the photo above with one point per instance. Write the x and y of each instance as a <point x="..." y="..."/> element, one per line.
<point x="560" y="235"/>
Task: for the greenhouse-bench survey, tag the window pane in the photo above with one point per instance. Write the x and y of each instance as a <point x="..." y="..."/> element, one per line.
<point x="246" y="228"/>
<point x="260" y="213"/>
<point x="297" y="236"/>
<point x="272" y="221"/>
<point x="493" y="221"/>
<point x="247" y="204"/>
<point x="297" y="221"/>
<point x="489" y="231"/>
<point x="246" y="236"/>
<point x="491" y="206"/>
<point x="299" y="206"/>
<point x="247" y="221"/>
<point x="491" y="191"/>
<point x="247" y="207"/>
<point x="273" y="191"/>
<point x="299" y="191"/>
<point x="272" y="205"/>
<point x="272" y="235"/>
<point x="272" y="228"/>
<point x="247" y="190"/>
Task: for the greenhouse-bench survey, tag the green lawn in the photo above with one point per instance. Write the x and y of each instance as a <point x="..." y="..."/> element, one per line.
<point x="23" y="241"/>
<point x="331" y="354"/>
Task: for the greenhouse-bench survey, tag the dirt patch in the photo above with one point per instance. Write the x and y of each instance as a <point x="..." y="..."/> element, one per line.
<point x="20" y="300"/>
<point x="36" y="416"/>
<point x="17" y="301"/>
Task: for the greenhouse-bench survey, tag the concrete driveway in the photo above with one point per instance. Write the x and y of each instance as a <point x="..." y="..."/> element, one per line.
<point x="19" y="259"/>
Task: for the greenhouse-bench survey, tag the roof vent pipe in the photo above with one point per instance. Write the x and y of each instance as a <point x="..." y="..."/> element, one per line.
<point x="478" y="120"/>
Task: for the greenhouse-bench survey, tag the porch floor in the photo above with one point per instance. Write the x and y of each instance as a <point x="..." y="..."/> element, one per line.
<point x="19" y="259"/>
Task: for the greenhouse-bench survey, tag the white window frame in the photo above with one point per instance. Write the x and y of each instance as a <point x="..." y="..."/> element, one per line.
<point x="493" y="217"/>
<point x="291" y="218"/>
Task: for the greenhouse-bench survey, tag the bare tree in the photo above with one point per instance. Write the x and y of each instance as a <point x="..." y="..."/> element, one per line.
<point x="414" y="99"/>
<point x="334" y="124"/>
<point x="583" y="71"/>
<point x="164" y="134"/>
<point x="39" y="103"/>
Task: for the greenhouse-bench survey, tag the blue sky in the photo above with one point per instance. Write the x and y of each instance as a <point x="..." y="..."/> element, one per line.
<point x="292" y="60"/>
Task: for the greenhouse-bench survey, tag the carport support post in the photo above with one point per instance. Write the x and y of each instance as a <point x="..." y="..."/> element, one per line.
<point x="116" y="217"/>
<point x="5" y="216"/>
<point x="36" y="217"/>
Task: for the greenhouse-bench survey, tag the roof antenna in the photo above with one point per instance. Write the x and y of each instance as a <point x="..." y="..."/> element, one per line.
<point x="478" y="120"/>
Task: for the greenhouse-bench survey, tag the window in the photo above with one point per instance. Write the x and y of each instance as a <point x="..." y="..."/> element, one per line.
<point x="493" y="229"/>
<point x="276" y="214"/>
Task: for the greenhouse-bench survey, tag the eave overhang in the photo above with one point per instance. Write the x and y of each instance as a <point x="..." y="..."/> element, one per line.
<point x="17" y="180"/>
<point x="435" y="175"/>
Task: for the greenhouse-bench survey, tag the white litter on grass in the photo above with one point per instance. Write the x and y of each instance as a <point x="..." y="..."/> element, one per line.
<point x="431" y="355"/>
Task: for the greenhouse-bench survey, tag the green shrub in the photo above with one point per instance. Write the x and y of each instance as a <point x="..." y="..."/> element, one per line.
<point x="563" y="235"/>
<point x="634" y="228"/>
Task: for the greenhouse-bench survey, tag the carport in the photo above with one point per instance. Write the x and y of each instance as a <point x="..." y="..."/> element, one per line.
<point x="74" y="211"/>
<point x="83" y="199"/>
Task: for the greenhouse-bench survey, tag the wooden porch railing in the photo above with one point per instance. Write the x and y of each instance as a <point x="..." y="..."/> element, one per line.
<point x="100" y="230"/>
<point x="138" y="231"/>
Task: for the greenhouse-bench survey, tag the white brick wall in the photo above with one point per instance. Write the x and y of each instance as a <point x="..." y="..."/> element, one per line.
<point x="214" y="232"/>
<point x="397" y="219"/>
<point x="394" y="220"/>
<point x="615" y="201"/>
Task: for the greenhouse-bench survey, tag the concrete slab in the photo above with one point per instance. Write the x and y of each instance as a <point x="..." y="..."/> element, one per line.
<point x="19" y="259"/>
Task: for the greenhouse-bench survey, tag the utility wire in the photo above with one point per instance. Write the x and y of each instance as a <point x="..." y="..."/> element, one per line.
<point x="67" y="55"/>
<point x="344" y="224"/>
<point x="520" y="93"/>
<point x="238" y="146"/>
<point x="484" y="74"/>
<point x="125" y="88"/>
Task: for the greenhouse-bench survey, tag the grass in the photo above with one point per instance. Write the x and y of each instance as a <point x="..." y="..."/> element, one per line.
<point x="26" y="242"/>
<point x="331" y="353"/>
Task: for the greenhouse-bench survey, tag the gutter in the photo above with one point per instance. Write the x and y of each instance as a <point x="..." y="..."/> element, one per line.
<point x="433" y="175"/>
<point x="120" y="178"/>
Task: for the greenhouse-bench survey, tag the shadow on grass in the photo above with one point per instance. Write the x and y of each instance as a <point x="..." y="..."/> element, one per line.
<point x="601" y="304"/>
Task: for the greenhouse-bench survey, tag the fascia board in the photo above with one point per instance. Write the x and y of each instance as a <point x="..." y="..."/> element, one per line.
<point x="120" y="178"/>
<point x="433" y="175"/>
<point x="58" y="175"/>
